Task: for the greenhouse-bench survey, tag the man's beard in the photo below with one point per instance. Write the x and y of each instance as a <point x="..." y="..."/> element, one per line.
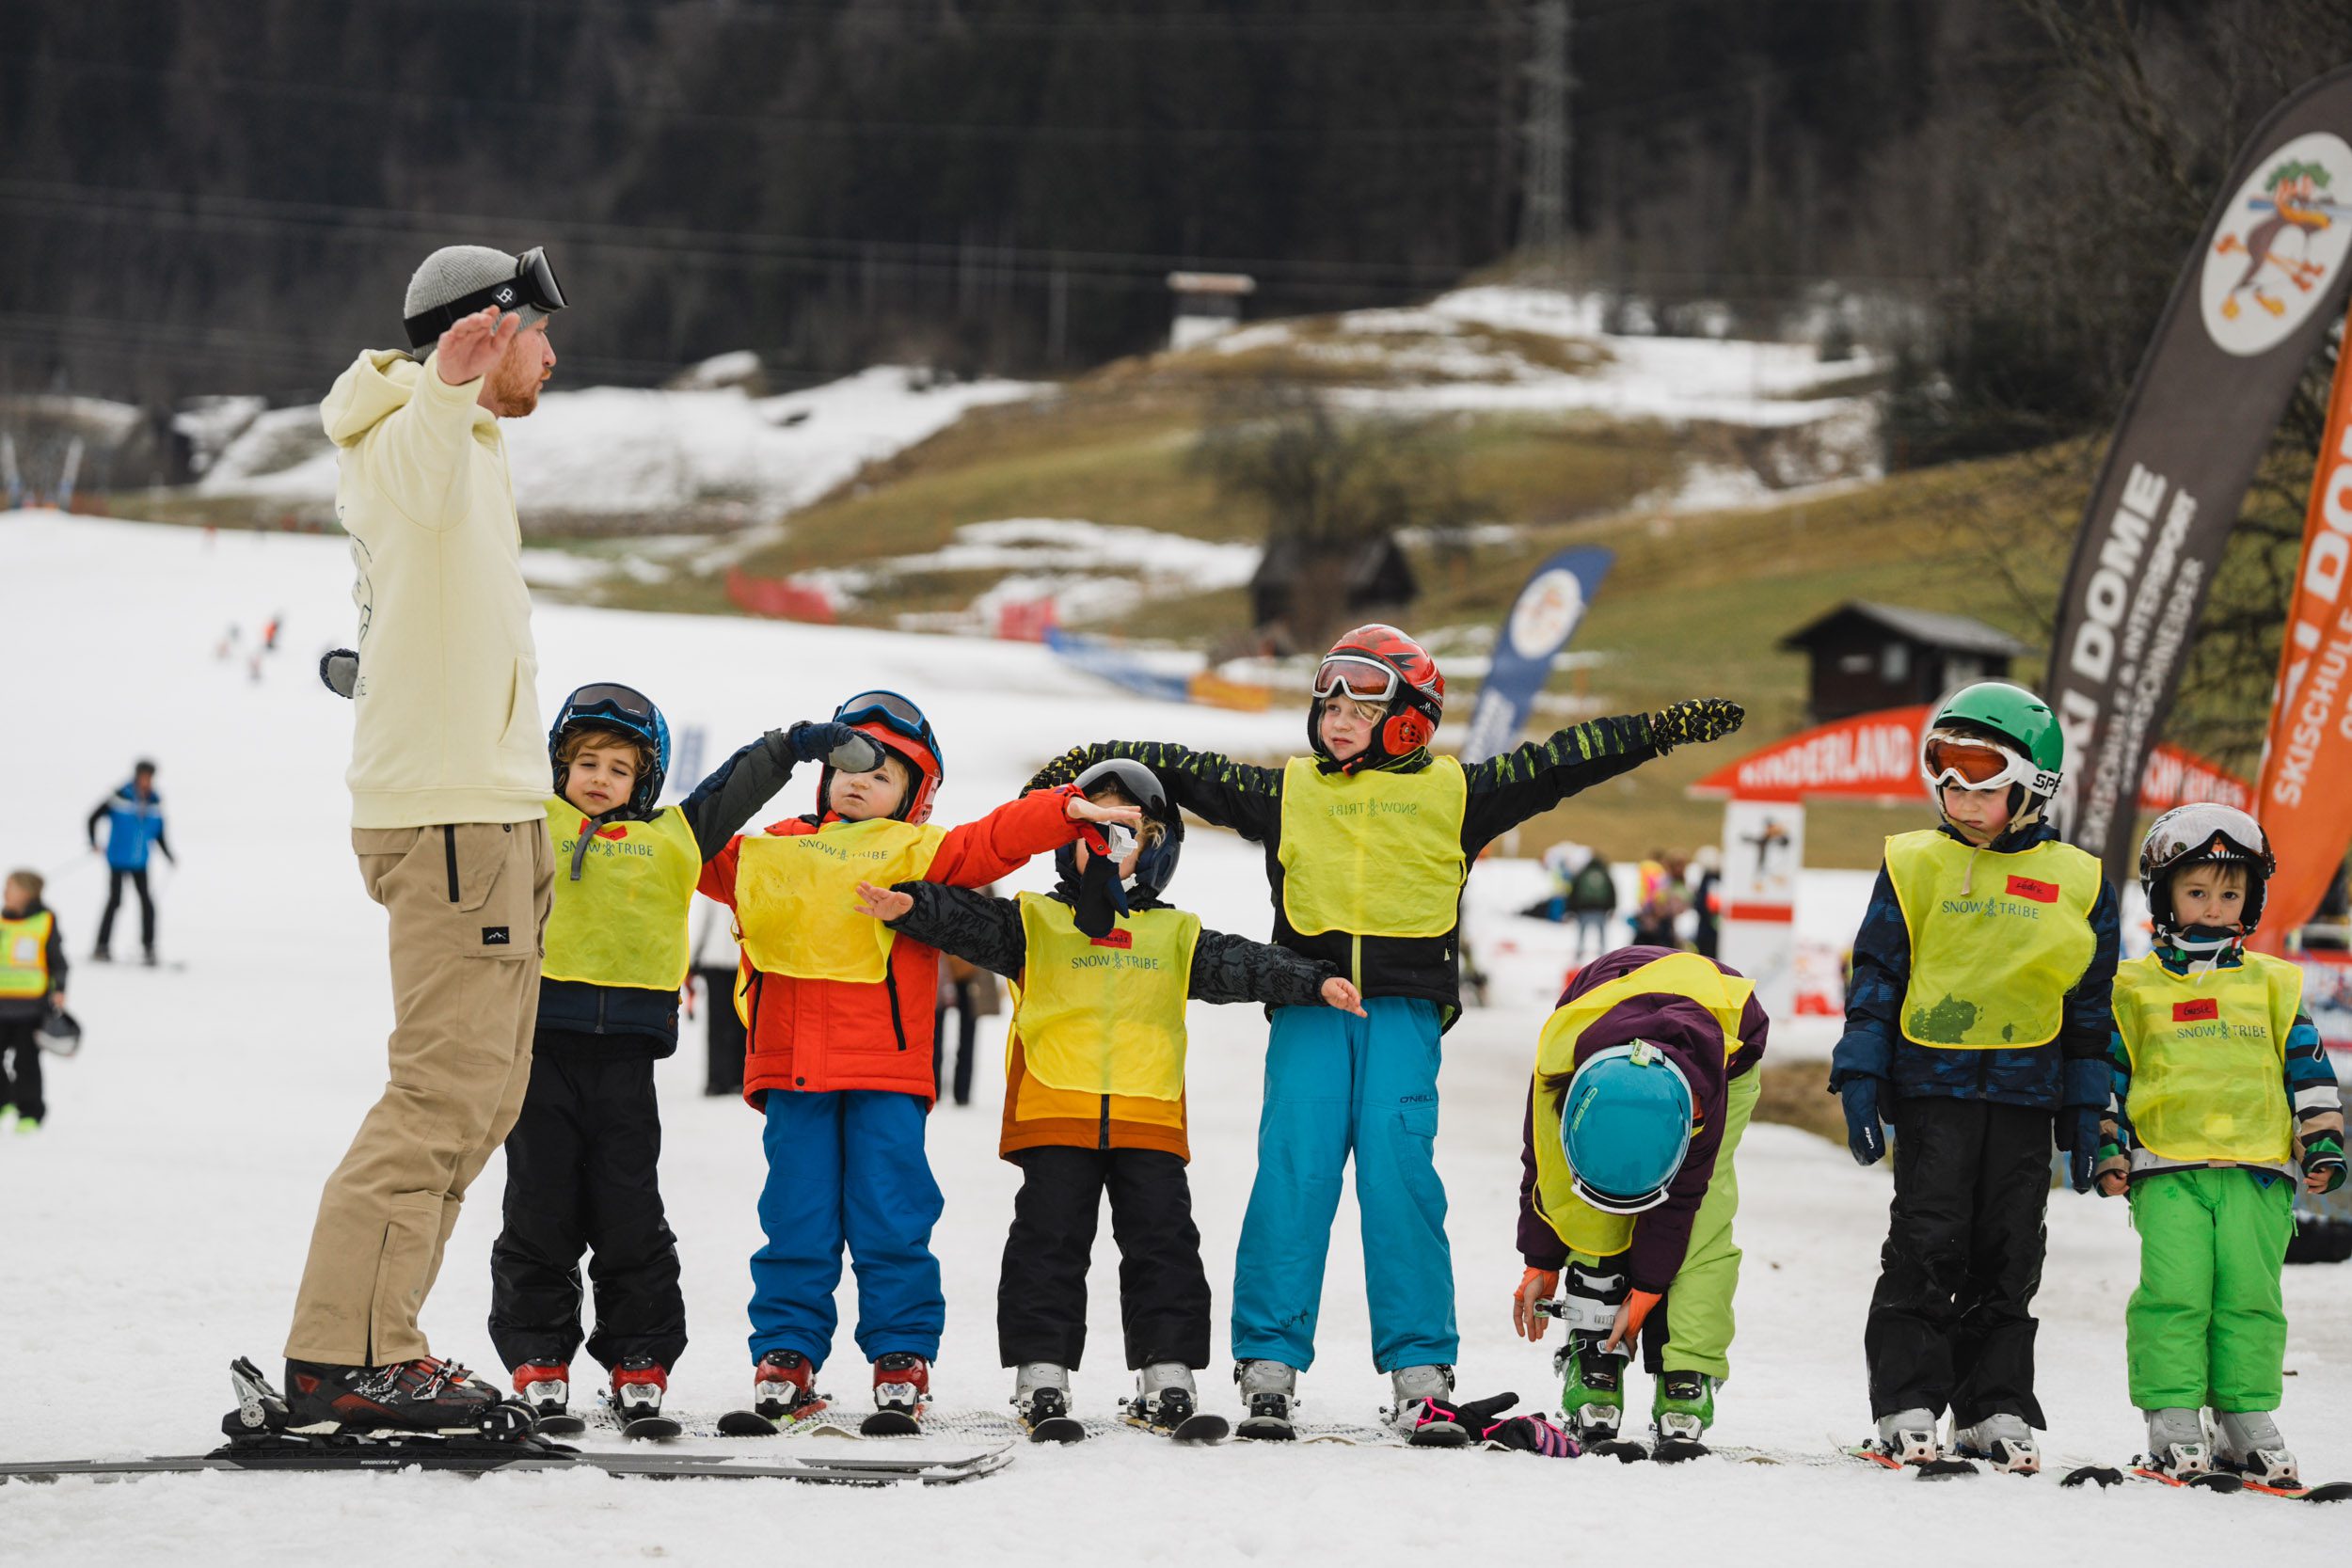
<point x="516" y="394"/>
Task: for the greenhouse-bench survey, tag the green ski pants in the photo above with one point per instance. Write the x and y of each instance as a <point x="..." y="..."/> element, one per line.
<point x="1694" y="1321"/>
<point x="2208" y="1324"/>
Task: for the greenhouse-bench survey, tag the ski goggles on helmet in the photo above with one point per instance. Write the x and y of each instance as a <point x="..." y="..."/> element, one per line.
<point x="533" y="284"/>
<point x="895" y="714"/>
<point x="2206" y="831"/>
<point x="1363" y="678"/>
<point x="623" y="707"/>
<point x="1952" y="759"/>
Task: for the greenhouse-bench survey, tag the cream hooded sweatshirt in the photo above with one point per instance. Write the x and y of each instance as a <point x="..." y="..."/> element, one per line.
<point x="446" y="712"/>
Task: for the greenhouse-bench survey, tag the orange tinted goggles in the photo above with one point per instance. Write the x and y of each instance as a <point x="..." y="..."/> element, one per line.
<point x="1969" y="763"/>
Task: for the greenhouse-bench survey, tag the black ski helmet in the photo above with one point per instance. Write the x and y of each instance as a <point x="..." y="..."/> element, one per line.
<point x="1156" y="864"/>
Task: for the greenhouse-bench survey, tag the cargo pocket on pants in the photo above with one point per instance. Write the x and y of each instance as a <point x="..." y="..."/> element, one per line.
<point x="486" y="880"/>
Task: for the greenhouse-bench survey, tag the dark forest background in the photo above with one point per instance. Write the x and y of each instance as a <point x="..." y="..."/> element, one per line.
<point x="216" y="196"/>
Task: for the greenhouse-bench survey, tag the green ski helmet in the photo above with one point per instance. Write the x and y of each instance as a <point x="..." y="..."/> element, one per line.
<point x="2010" y="715"/>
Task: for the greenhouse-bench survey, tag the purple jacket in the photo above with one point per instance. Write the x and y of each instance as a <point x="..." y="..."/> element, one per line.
<point x="1687" y="1033"/>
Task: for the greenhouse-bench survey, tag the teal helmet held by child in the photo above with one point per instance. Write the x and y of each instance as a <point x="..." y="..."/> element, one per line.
<point x="1625" y="1126"/>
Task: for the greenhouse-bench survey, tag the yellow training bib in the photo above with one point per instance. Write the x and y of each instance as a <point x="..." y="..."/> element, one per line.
<point x="1105" y="1015"/>
<point x="2208" y="1057"/>
<point x="624" y="922"/>
<point x="796" y="898"/>
<point x="1996" y="940"/>
<point x="24" y="953"/>
<point x="1583" y="1228"/>
<point x="1374" y="854"/>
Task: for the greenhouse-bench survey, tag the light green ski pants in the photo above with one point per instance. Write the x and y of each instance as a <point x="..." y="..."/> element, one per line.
<point x="2208" y="1325"/>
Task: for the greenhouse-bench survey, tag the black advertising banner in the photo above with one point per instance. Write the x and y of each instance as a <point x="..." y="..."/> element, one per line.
<point x="2261" y="291"/>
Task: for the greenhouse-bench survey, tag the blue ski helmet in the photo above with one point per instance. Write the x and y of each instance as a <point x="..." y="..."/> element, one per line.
<point x="628" y="710"/>
<point x="1157" y="863"/>
<point x="1625" y="1125"/>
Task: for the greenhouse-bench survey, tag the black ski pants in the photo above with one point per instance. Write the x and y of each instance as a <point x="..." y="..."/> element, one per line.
<point x="20" y="1067"/>
<point x="116" y="876"/>
<point x="1949" y="1323"/>
<point x="1162" y="1294"/>
<point x="967" y="1027"/>
<point x="580" y="1176"/>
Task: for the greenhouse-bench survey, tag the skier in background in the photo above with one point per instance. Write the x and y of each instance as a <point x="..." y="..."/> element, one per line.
<point x="32" y="987"/>
<point x="134" y="815"/>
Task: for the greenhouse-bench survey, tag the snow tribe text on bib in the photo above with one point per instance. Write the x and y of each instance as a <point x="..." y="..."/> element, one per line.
<point x="1583" y="1228"/>
<point x="24" y="953"/>
<point x="2209" y="1058"/>
<point x="624" y="922"/>
<point x="1374" y="854"/>
<point x="1996" y="940"/>
<point x="796" y="898"/>
<point x="1105" y="1015"/>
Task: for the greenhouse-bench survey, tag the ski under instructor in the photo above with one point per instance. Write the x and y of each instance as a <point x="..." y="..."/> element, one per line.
<point x="449" y="785"/>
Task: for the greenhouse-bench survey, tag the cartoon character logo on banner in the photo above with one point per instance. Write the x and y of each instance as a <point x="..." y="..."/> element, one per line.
<point x="2267" y="267"/>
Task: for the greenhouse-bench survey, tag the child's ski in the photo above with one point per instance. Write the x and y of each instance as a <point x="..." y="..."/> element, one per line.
<point x="2207" y="1481"/>
<point x="1055" y="1429"/>
<point x="1930" y="1470"/>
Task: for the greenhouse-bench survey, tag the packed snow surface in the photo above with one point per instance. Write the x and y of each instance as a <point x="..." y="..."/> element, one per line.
<point x="155" y="1227"/>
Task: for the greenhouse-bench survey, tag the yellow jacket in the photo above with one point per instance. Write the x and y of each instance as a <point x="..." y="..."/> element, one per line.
<point x="446" y="714"/>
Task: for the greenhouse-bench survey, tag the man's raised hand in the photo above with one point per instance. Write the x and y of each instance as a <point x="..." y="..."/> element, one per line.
<point x="474" y="344"/>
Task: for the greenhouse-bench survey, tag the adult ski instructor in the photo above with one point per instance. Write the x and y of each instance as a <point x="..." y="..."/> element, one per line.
<point x="449" y="785"/>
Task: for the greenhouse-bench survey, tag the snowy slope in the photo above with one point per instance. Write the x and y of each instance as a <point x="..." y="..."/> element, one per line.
<point x="155" y="1227"/>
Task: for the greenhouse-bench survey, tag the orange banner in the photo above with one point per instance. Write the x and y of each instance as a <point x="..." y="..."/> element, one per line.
<point x="2304" y="797"/>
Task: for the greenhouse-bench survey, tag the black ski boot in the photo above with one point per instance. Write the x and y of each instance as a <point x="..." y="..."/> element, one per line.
<point x="425" y="1395"/>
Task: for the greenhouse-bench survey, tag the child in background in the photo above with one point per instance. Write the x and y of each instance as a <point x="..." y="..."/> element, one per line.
<point x="1094" y="1093"/>
<point x="582" y="1164"/>
<point x="1368" y="841"/>
<point x="1977" y="1020"/>
<point x="2223" y="1099"/>
<point x="32" y="986"/>
<point x="839" y="1056"/>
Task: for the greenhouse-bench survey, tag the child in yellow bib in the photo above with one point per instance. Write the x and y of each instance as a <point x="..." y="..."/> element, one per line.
<point x="1976" y="1021"/>
<point x="1094" y="1094"/>
<point x="838" y="1061"/>
<point x="583" y="1160"/>
<point x="1368" y="841"/>
<point x="32" y="987"/>
<point x="2224" y="1102"/>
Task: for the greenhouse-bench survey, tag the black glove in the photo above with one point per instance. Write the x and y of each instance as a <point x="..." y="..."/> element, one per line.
<point x="2078" y="1134"/>
<point x="1063" y="770"/>
<point x="828" y="741"/>
<point x="1703" y="718"/>
<point x="1864" y="1135"/>
<point x="338" y="669"/>
<point x="1102" y="897"/>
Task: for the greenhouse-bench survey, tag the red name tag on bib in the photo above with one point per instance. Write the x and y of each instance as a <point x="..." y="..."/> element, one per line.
<point x="2026" y="887"/>
<point x="2189" y="1012"/>
<point x="1115" y="939"/>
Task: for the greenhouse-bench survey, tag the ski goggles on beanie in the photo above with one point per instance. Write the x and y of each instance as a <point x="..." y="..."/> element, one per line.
<point x="533" y="284"/>
<point x="1625" y="1126"/>
<point x="1955" y="759"/>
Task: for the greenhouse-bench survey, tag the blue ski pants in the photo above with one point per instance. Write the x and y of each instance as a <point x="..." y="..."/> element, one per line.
<point x="1337" y="1085"/>
<point x="847" y="1169"/>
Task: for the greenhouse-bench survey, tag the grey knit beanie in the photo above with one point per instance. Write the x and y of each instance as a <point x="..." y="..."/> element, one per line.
<point x="456" y="271"/>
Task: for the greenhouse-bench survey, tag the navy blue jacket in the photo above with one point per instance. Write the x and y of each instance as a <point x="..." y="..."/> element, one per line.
<point x="587" y="1020"/>
<point x="2070" y="1070"/>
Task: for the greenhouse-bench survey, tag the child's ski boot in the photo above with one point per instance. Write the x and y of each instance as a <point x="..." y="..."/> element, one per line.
<point x="1908" y="1438"/>
<point x="1269" y="1396"/>
<point x="1423" y="1411"/>
<point x="2176" y="1445"/>
<point x="638" y="1384"/>
<point x="1681" y="1408"/>
<point x="2005" y="1442"/>
<point x="545" y="1391"/>
<point x="2247" y="1443"/>
<point x="1166" y="1402"/>
<point x="784" y="1387"/>
<point x="902" y="1386"/>
<point x="1591" y="1395"/>
<point x="1040" y="1396"/>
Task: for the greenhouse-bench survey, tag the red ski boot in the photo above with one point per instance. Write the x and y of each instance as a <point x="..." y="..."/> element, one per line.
<point x="784" y="1387"/>
<point x="902" y="1386"/>
<point x="638" y="1384"/>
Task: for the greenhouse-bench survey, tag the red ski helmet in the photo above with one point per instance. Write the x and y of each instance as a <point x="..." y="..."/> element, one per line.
<point x="1380" y="664"/>
<point x="897" y="725"/>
